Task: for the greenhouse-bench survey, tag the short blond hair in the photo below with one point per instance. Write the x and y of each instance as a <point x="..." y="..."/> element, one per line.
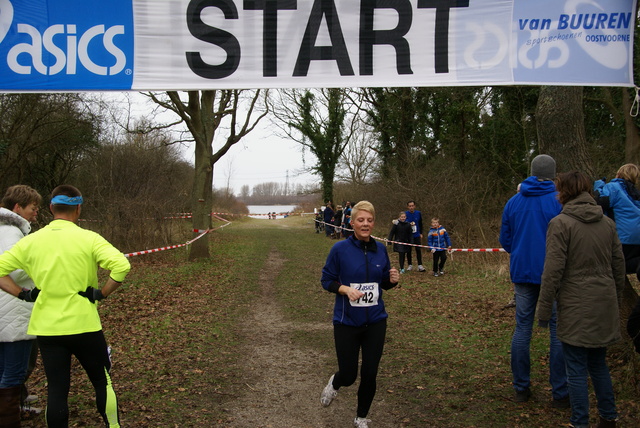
<point x="629" y="172"/>
<point x="363" y="206"/>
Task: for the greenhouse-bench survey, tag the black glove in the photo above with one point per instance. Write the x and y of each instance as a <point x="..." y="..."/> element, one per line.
<point x="29" y="295"/>
<point x="93" y="294"/>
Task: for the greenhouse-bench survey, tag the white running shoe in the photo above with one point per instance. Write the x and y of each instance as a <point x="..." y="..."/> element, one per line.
<point x="328" y="393"/>
<point x="410" y="267"/>
<point x="29" y="409"/>
<point x="421" y="268"/>
<point x="361" y="422"/>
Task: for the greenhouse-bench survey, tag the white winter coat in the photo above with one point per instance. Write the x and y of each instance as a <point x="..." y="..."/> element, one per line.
<point x="14" y="313"/>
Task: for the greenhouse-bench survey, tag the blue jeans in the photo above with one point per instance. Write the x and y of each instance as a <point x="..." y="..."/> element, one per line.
<point x="526" y="301"/>
<point x="582" y="362"/>
<point x="14" y="358"/>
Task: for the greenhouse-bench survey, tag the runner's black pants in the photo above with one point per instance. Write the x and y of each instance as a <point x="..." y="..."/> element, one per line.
<point x="349" y="340"/>
<point x="91" y="351"/>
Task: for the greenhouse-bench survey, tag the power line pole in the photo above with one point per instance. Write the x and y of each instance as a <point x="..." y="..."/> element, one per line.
<point x="286" y="185"/>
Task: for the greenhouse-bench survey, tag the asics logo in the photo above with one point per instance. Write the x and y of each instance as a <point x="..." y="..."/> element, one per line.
<point x="61" y="48"/>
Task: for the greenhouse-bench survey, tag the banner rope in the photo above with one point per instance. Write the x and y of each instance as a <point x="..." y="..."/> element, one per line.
<point x="635" y="107"/>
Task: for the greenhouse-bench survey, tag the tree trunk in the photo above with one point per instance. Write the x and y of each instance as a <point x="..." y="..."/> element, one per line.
<point x="202" y="199"/>
<point x="327" y="175"/>
<point x="561" y="130"/>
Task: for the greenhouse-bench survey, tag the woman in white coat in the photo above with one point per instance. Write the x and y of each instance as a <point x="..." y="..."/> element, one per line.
<point x="19" y="209"/>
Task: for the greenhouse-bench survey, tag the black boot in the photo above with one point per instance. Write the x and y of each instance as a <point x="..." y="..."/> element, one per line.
<point x="10" y="407"/>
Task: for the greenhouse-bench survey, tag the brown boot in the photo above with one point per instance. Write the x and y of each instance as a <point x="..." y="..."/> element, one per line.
<point x="606" y="424"/>
<point x="10" y="407"/>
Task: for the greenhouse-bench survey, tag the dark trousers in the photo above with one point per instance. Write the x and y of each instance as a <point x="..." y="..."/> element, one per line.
<point x="91" y="351"/>
<point x="417" y="241"/>
<point x="439" y="258"/>
<point x="401" y="255"/>
<point x="632" y="258"/>
<point x="349" y="340"/>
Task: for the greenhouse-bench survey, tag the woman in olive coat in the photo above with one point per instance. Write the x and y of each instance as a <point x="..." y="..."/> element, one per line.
<point x="584" y="271"/>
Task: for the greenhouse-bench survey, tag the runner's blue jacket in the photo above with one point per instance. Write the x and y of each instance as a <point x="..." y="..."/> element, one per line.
<point x="355" y="262"/>
<point x="523" y="234"/>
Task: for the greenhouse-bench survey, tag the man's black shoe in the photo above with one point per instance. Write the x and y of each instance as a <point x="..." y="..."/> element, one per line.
<point x="561" y="403"/>
<point x="523" y="396"/>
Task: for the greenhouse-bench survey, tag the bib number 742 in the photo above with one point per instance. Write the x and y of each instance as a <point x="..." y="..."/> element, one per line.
<point x="371" y="294"/>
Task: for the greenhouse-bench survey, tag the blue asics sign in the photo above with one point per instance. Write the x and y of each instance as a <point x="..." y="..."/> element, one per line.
<point x="76" y="45"/>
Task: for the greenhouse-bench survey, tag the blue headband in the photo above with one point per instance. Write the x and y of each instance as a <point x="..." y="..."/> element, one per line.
<point x="66" y="200"/>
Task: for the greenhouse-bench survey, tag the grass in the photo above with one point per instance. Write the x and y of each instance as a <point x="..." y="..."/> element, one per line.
<point x="174" y="329"/>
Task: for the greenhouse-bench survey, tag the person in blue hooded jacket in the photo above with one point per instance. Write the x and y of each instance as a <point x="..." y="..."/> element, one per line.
<point x="357" y="271"/>
<point x="620" y="200"/>
<point x="525" y="219"/>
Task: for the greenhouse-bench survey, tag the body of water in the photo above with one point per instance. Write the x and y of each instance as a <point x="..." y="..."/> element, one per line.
<point x="262" y="210"/>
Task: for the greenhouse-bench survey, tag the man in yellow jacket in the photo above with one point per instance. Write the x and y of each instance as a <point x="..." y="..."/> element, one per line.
<point x="63" y="260"/>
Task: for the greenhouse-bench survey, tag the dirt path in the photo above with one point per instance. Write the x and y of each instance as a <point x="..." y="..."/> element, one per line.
<point x="282" y="382"/>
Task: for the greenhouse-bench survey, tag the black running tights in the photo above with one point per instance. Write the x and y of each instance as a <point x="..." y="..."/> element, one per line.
<point x="349" y="340"/>
<point x="91" y="351"/>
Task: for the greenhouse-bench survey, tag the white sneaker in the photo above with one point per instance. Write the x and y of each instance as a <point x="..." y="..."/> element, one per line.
<point x="29" y="409"/>
<point x="328" y="393"/>
<point x="441" y="272"/>
<point x="421" y="268"/>
<point x="410" y="267"/>
<point x="361" y="422"/>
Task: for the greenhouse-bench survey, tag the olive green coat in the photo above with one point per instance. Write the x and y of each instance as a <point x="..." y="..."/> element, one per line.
<point x="584" y="271"/>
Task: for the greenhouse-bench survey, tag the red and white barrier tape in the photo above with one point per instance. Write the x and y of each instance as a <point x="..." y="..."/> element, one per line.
<point x="190" y="215"/>
<point x="464" y="250"/>
<point x="171" y="247"/>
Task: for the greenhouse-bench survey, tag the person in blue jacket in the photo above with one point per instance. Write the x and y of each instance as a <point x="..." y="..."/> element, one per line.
<point x="414" y="218"/>
<point x="357" y="271"/>
<point x="525" y="219"/>
<point x="620" y="200"/>
<point x="439" y="241"/>
<point x="327" y="215"/>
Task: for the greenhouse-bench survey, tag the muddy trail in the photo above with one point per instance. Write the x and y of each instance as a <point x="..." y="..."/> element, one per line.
<point x="281" y="382"/>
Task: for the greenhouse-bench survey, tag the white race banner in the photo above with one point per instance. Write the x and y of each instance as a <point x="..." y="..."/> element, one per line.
<point x="78" y="45"/>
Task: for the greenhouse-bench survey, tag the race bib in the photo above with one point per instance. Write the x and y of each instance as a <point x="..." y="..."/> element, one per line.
<point x="371" y="294"/>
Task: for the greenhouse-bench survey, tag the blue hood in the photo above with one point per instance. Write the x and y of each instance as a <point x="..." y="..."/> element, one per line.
<point x="532" y="187"/>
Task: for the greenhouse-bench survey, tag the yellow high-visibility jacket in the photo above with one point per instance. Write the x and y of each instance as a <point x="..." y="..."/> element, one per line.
<point x="63" y="259"/>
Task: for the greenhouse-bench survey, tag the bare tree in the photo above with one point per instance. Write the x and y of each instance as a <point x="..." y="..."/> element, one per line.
<point x="43" y="138"/>
<point x="232" y="113"/>
<point x="320" y="121"/>
<point x="359" y="161"/>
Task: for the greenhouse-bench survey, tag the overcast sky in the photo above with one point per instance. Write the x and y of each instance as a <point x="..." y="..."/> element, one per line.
<point x="260" y="157"/>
